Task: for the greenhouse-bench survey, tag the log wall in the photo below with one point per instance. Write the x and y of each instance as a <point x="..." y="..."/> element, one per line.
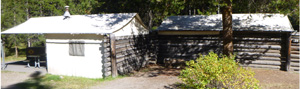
<point x="131" y="53"/>
<point x="295" y="58"/>
<point x="262" y="50"/>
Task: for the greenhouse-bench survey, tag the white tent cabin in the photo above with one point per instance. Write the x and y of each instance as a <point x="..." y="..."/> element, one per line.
<point x="74" y="46"/>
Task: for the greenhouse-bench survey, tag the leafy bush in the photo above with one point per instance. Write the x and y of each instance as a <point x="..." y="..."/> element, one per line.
<point x="210" y="71"/>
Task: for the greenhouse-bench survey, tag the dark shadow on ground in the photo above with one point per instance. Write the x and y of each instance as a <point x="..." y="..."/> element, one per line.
<point x="31" y="63"/>
<point x="173" y="86"/>
<point x="157" y="70"/>
<point x="33" y="83"/>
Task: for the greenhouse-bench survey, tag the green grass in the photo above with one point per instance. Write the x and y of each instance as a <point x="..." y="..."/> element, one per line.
<point x="13" y="58"/>
<point x="62" y="82"/>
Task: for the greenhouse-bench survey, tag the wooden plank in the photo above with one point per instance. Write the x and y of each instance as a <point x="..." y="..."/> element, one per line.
<point x="188" y="33"/>
<point x="256" y="50"/>
<point x="261" y="66"/>
<point x="257" y="34"/>
<point x="256" y="40"/>
<point x="294" y="48"/>
<point x="124" y="37"/>
<point x="256" y="43"/>
<point x="189" y="38"/>
<point x="128" y="54"/>
<point x="189" y="41"/>
<point x="295" y="65"/>
<point x="272" y="63"/>
<point x="294" y="56"/>
<point x="126" y="41"/>
<point x="114" y="70"/>
<point x="106" y="74"/>
<point x="106" y="65"/>
<point x="125" y="50"/>
<point x="295" y="44"/>
<point x="295" y="69"/>
<point x="270" y="47"/>
<point x="191" y="45"/>
<point x="258" y="58"/>
<point x="259" y="54"/>
<point x="107" y="69"/>
<point x="295" y="60"/>
<point x="295" y="41"/>
<point x="124" y="46"/>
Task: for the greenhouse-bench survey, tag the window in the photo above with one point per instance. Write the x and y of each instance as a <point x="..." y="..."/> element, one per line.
<point x="76" y="48"/>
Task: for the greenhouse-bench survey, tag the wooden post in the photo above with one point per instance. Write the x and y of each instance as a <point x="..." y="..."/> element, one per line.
<point x="114" y="71"/>
<point x="288" y="55"/>
<point x="285" y="51"/>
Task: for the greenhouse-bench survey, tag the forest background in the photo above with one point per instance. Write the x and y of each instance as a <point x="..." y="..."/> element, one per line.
<point x="152" y="12"/>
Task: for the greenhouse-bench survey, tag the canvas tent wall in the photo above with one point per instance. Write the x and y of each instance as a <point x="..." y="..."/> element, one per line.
<point x="260" y="40"/>
<point x="76" y="46"/>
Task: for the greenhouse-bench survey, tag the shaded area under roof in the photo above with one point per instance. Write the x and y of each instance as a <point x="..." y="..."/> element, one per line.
<point x="241" y="22"/>
<point x="77" y="24"/>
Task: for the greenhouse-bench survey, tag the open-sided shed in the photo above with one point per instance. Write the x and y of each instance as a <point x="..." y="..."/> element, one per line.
<point x="260" y="40"/>
<point x="77" y="46"/>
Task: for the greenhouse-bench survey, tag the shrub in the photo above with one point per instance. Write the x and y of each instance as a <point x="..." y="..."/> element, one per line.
<point x="212" y="71"/>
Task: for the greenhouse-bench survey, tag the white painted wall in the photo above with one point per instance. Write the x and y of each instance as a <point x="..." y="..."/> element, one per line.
<point x="59" y="61"/>
<point x="133" y="28"/>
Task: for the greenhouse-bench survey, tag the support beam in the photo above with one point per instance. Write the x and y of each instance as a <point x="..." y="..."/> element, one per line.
<point x="285" y="51"/>
<point x="114" y="69"/>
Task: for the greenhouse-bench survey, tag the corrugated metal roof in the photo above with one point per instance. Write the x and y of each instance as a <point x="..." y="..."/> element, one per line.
<point x="77" y="24"/>
<point x="241" y="22"/>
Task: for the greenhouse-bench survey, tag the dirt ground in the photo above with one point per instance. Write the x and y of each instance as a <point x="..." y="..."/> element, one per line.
<point x="276" y="79"/>
<point x="10" y="78"/>
<point x="157" y="77"/>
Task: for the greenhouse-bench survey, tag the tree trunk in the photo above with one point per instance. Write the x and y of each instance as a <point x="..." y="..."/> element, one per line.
<point x="15" y="22"/>
<point x="151" y="19"/>
<point x="28" y="42"/>
<point x="227" y="29"/>
<point x="41" y="9"/>
<point x="16" y="50"/>
<point x="27" y="10"/>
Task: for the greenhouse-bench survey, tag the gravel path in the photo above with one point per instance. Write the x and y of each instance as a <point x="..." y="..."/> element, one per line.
<point x="158" y="82"/>
<point x="276" y="79"/>
<point x="160" y="78"/>
<point x="156" y="77"/>
<point x="9" y="78"/>
<point x="17" y="73"/>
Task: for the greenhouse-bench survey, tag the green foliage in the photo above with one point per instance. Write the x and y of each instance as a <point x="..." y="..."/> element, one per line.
<point x="210" y="71"/>
<point x="152" y="12"/>
<point x="71" y="82"/>
<point x="14" y="12"/>
<point x="164" y="8"/>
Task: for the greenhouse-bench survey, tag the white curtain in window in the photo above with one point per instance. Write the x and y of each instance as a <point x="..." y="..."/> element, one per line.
<point x="76" y="48"/>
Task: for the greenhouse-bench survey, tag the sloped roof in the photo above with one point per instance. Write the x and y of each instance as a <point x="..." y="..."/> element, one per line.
<point x="241" y="22"/>
<point x="76" y="24"/>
